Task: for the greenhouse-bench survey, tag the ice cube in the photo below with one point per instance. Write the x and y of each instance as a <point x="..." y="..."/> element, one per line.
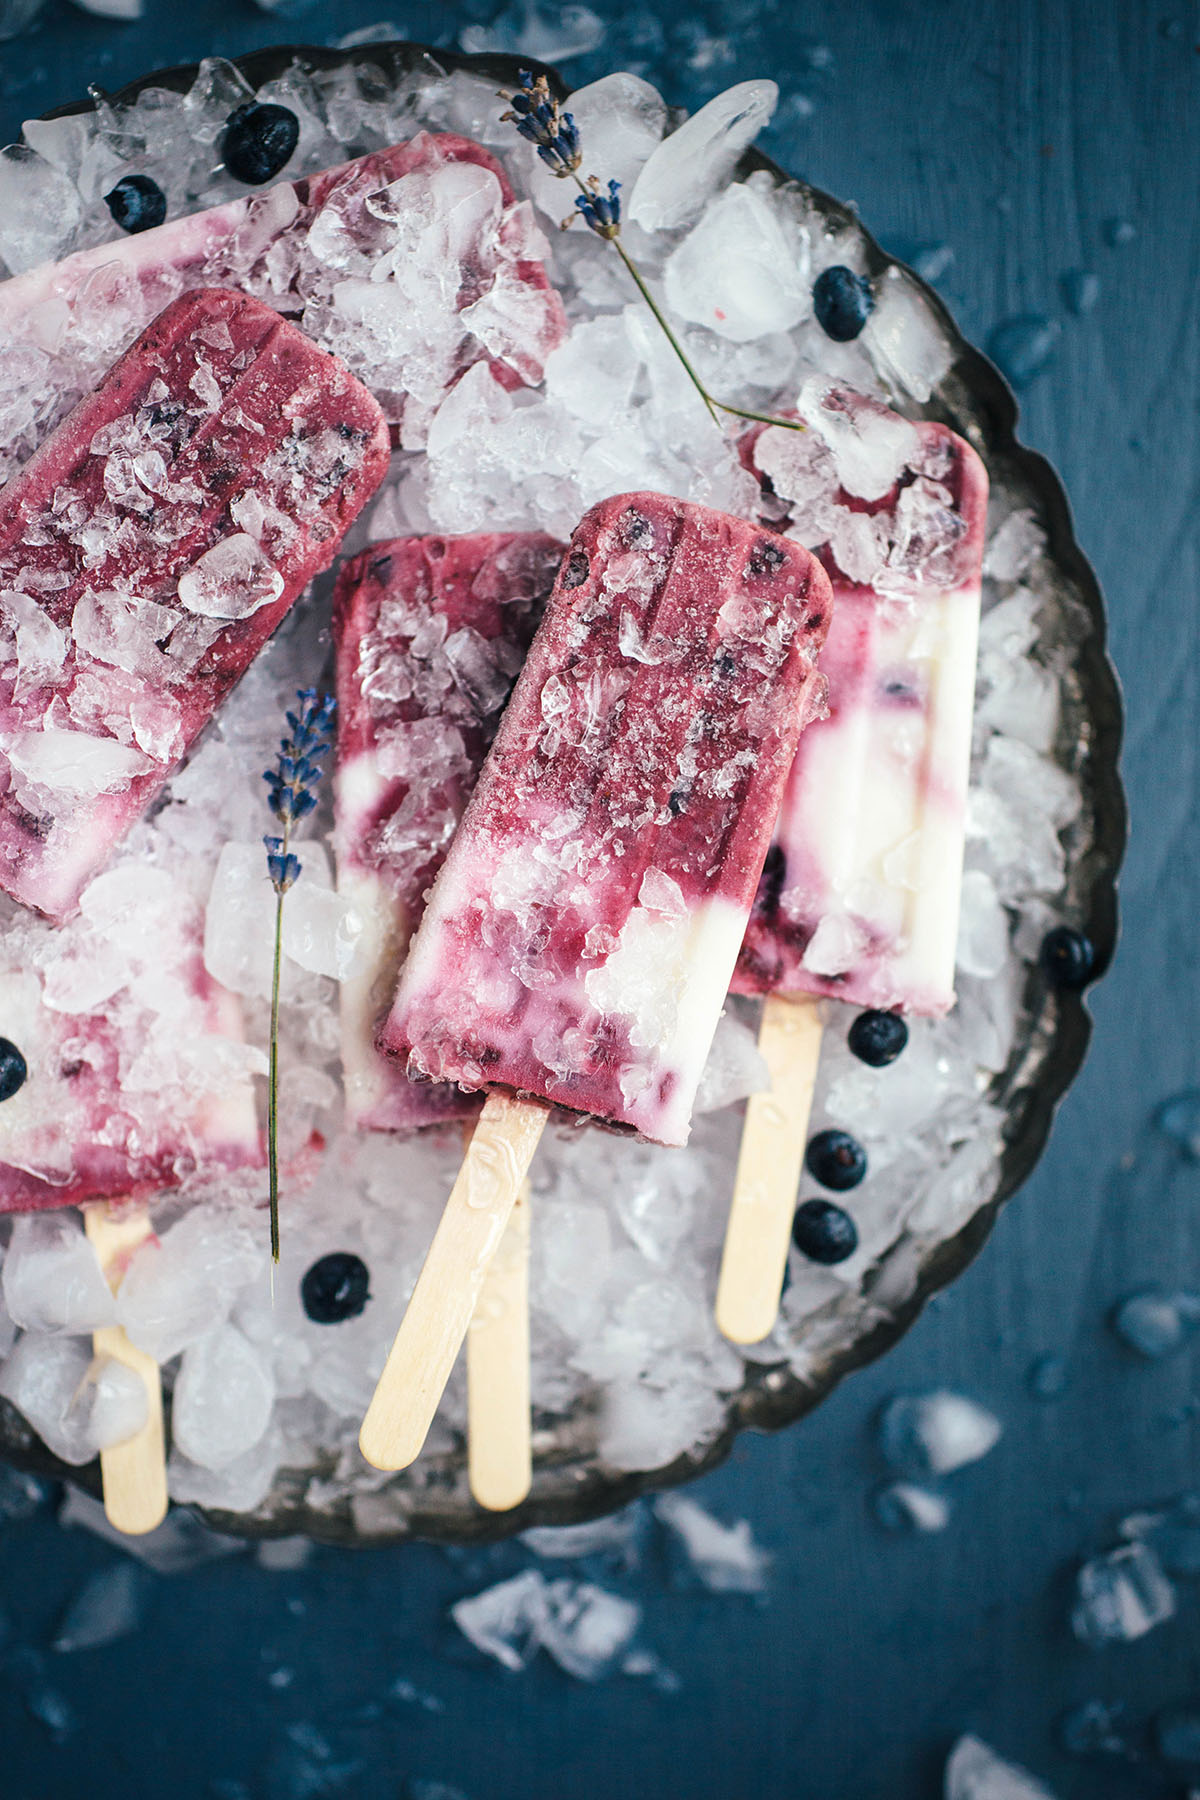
<point x="1121" y="1596"/>
<point x="1013" y="546"/>
<point x="936" y="1432"/>
<point x="322" y="932"/>
<point x="1155" y="1322"/>
<point x="40" y="209"/>
<point x="230" y="581"/>
<point x="181" y="1542"/>
<point x="178" y="1287"/>
<point x="736" y="271"/>
<point x="107" y="1607"/>
<point x="871" y="446"/>
<point x="615" y="1534"/>
<point x="587" y="1629"/>
<point x="1173" y="1535"/>
<point x="550" y="34"/>
<point x="46" y="1378"/>
<point x="239" y="1485"/>
<point x="223" y="1399"/>
<point x="975" y="1772"/>
<point x="75" y="762"/>
<point x="725" y="1558"/>
<point x="699" y="155"/>
<point x="982" y="927"/>
<point x="1022" y="346"/>
<point x="905" y="339"/>
<point x="115" y="1395"/>
<point x="1093" y="1729"/>
<point x="593" y="373"/>
<point x="504" y="1621"/>
<point x="735" y="1067"/>
<point x="17" y="15"/>
<point x="1179" y="1120"/>
<point x="52" y="1281"/>
<point x="905" y="1506"/>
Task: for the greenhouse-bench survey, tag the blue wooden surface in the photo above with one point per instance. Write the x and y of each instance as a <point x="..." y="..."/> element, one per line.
<point x="1015" y="132"/>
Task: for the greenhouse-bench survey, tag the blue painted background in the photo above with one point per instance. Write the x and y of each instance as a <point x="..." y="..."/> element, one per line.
<point x="1017" y="133"/>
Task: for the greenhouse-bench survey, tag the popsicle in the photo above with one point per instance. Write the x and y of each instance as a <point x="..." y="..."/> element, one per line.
<point x="147" y="551"/>
<point x="860" y="892"/>
<point x="126" y="1078"/>
<point x="578" y="942"/>
<point x="333" y="253"/>
<point x="430" y="633"/>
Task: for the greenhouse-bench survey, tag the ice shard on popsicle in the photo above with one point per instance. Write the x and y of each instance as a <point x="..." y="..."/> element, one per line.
<point x="860" y="893"/>
<point x="410" y="263"/>
<point x="430" y="633"/>
<point x="147" y="551"/>
<point x="580" y="937"/>
<point x="132" y="1075"/>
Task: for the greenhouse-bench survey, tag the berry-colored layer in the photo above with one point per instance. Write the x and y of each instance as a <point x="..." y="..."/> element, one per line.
<point x="579" y="940"/>
<point x="147" y="552"/>
<point x="430" y="634"/>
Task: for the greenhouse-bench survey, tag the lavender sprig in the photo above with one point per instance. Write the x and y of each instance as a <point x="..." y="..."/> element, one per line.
<point x="292" y="795"/>
<point x="540" y="119"/>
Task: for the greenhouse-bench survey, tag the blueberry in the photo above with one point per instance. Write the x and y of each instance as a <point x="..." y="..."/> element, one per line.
<point x="823" y="1232"/>
<point x="13" y="1069"/>
<point x="1067" y="958"/>
<point x="137" y="203"/>
<point x="258" y="140"/>
<point x="877" y="1038"/>
<point x="843" y="302"/>
<point x="836" y="1160"/>
<point x="335" y="1288"/>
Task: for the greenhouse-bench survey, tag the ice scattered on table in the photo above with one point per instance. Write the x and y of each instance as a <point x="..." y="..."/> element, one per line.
<point x="25" y="1669"/>
<point x="906" y="1506"/>
<point x="1021" y="347"/>
<point x="625" y="1260"/>
<point x="1179" y="1121"/>
<point x="585" y="1628"/>
<point x="1156" y="1322"/>
<point x="937" y="1432"/>
<point x="108" y="1606"/>
<point x="724" y="1558"/>
<point x="615" y="1535"/>
<point x="975" y="1772"/>
<point x="1121" y="1596"/>
<point x="1172" y="1533"/>
<point x="1095" y="1728"/>
<point x="180" y="1543"/>
<point x="549" y="34"/>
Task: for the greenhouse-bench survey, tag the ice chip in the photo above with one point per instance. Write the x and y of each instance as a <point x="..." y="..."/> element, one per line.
<point x="736" y="272"/>
<point x="1156" y="1323"/>
<point x="76" y="763"/>
<point x="695" y="160"/>
<point x="735" y="1068"/>
<point x="107" y="1607"/>
<point x="1121" y="1596"/>
<point x="724" y="1558"/>
<point x="223" y="1399"/>
<point x="52" y="1280"/>
<point x="230" y="581"/>
<point x="975" y="1772"/>
<point x="906" y="1506"/>
<point x="936" y="1432"/>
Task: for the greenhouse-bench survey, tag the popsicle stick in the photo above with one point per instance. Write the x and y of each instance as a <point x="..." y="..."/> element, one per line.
<point x="768" y="1171"/>
<point x="448" y="1287"/>
<point x="499" y="1452"/>
<point x="134" y="1474"/>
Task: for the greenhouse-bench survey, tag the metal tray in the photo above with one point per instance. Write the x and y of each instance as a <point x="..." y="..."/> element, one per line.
<point x="431" y="1501"/>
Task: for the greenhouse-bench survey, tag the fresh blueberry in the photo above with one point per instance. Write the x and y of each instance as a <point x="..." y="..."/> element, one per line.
<point x="836" y="1160"/>
<point x="137" y="203"/>
<point x="1067" y="958"/>
<point x="843" y="302"/>
<point x="877" y="1038"/>
<point x="258" y="140"/>
<point x="823" y="1232"/>
<point x="13" y="1070"/>
<point x="335" y="1288"/>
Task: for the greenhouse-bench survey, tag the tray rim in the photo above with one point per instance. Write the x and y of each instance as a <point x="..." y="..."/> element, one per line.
<point x="772" y="1397"/>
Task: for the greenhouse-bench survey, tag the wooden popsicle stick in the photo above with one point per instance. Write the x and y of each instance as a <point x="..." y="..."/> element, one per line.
<point x="447" y="1291"/>
<point x="134" y="1474"/>
<point x="768" y="1171"/>
<point x="499" y="1450"/>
